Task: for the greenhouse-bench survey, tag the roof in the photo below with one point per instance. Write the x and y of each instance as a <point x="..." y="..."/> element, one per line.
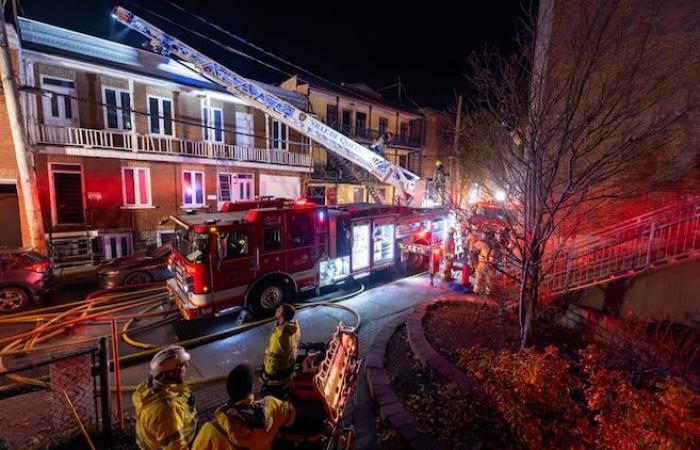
<point x="61" y="42"/>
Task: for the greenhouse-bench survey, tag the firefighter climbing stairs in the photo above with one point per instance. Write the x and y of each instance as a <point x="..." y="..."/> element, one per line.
<point x="660" y="238"/>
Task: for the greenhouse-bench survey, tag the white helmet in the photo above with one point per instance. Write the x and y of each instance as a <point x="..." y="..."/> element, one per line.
<point x="168" y="359"/>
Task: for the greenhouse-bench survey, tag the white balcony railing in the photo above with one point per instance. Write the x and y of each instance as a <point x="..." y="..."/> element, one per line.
<point x="126" y="141"/>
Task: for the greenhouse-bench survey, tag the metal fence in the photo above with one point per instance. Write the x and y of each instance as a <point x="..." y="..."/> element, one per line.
<point x="68" y="400"/>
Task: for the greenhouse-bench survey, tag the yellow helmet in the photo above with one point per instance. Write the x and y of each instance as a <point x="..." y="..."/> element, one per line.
<point x="438" y="163"/>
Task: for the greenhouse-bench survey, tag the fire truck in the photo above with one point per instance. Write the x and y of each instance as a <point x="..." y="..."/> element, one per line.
<point x="258" y="255"/>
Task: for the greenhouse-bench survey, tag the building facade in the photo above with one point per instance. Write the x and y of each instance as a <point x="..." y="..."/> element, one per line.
<point x="123" y="137"/>
<point x="361" y="114"/>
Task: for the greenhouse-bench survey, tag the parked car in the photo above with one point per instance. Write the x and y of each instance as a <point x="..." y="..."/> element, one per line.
<point x="137" y="268"/>
<point x="25" y="276"/>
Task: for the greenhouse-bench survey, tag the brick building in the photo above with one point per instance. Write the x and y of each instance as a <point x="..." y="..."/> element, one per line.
<point x="123" y="137"/>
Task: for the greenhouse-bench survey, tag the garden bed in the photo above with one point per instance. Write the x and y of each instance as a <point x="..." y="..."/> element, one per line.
<point x="563" y="392"/>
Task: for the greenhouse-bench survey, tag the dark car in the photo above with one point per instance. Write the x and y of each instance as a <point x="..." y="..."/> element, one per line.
<point x="138" y="268"/>
<point x="25" y="276"/>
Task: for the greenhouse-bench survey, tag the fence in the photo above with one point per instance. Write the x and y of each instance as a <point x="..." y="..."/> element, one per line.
<point x="43" y="417"/>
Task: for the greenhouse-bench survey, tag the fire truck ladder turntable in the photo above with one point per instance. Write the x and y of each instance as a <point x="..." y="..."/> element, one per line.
<point x="255" y="96"/>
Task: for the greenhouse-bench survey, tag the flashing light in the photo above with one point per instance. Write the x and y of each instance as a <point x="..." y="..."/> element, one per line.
<point x="436" y="252"/>
<point x="321" y="216"/>
<point x="500" y="195"/>
<point x="114" y="16"/>
<point x="206" y="288"/>
<point x="422" y="235"/>
<point x="301" y="202"/>
<point x="212" y="229"/>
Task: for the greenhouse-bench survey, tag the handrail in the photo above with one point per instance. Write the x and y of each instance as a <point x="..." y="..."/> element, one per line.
<point x="127" y="141"/>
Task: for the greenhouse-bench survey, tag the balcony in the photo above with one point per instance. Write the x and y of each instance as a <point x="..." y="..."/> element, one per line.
<point x="369" y="135"/>
<point x="162" y="145"/>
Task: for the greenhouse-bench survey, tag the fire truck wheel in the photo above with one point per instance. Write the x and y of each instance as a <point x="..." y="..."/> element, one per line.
<point x="266" y="297"/>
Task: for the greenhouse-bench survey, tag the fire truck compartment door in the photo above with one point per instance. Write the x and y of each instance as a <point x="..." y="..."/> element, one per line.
<point x="235" y="265"/>
<point x="360" y="246"/>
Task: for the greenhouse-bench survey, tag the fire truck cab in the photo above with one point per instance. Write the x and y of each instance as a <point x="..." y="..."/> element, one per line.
<point x="259" y="255"/>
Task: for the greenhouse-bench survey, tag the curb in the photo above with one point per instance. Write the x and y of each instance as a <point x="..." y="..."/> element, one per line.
<point x="429" y="357"/>
<point x="388" y="404"/>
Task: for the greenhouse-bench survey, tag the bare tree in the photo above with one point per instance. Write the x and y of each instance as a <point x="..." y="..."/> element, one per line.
<point x="578" y="114"/>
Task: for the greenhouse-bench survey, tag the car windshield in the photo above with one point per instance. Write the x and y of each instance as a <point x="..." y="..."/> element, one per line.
<point x="158" y="252"/>
<point x="193" y="246"/>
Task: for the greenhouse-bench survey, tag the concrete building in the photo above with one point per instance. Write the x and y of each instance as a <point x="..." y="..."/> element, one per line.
<point x="123" y="137"/>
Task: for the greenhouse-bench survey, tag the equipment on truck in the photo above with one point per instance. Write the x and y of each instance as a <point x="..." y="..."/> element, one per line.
<point x="401" y="179"/>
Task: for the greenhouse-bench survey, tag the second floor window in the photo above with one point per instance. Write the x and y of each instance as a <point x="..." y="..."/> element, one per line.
<point x="403" y="131"/>
<point x="213" y="124"/>
<point x="192" y="188"/>
<point x="160" y="115"/>
<point x="61" y="107"/>
<point x="136" y="185"/>
<point x="280" y="135"/>
<point x="360" y="123"/>
<point x="383" y="125"/>
<point x="332" y="115"/>
<point x="117" y="109"/>
<point x="245" y="130"/>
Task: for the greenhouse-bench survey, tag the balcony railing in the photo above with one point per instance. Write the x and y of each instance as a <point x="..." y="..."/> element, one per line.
<point x="126" y="141"/>
<point x="369" y="135"/>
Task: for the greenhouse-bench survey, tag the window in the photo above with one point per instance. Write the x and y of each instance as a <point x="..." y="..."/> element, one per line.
<point x="212" y="124"/>
<point x="358" y="195"/>
<point x="61" y="107"/>
<point x="160" y="112"/>
<point x="115" y="245"/>
<point x="117" y="108"/>
<point x="280" y="135"/>
<point x="136" y="187"/>
<point x="245" y="130"/>
<point x="360" y="123"/>
<point x="166" y="237"/>
<point x="403" y="161"/>
<point x="381" y="192"/>
<point x="232" y="245"/>
<point x="332" y="115"/>
<point x="192" y="188"/>
<point x="272" y="239"/>
<point x="383" y="125"/>
<point x="347" y="121"/>
<point x="234" y="187"/>
<point x="301" y="229"/>
<point x="403" y="131"/>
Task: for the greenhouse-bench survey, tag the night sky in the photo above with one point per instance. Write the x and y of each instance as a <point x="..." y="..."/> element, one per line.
<point x="341" y="41"/>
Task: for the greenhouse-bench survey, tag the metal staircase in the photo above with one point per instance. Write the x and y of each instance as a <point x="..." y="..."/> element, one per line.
<point x="360" y="176"/>
<point x="659" y="238"/>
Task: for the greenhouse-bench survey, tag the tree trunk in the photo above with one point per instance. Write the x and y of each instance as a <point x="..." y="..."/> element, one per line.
<point x="530" y="298"/>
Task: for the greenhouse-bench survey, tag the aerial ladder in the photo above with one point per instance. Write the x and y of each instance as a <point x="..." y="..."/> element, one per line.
<point x="401" y="179"/>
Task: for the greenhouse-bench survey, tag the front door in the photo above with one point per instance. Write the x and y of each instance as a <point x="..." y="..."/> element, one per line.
<point x="67" y="184"/>
<point x="234" y="266"/>
<point x="10" y="235"/>
<point x="61" y="107"/>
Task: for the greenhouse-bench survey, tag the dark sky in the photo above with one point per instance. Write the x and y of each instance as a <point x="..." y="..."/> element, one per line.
<point x="347" y="41"/>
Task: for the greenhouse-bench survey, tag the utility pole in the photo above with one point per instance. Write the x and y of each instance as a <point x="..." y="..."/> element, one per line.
<point x="455" y="144"/>
<point x="25" y="163"/>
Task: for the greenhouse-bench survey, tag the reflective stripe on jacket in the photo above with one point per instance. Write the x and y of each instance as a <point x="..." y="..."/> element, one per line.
<point x="166" y="416"/>
<point x="229" y="432"/>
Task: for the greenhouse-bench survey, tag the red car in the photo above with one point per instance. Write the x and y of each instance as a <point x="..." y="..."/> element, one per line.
<point x="25" y="276"/>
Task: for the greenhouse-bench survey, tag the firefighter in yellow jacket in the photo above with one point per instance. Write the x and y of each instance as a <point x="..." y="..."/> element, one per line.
<point x="243" y="423"/>
<point x="166" y="417"/>
<point x="280" y="354"/>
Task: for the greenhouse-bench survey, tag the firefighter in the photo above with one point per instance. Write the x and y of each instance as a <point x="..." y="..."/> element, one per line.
<point x="166" y="417"/>
<point x="483" y="267"/>
<point x="448" y="251"/>
<point x="243" y="422"/>
<point x="281" y="354"/>
<point x="440" y="180"/>
<point x="380" y="143"/>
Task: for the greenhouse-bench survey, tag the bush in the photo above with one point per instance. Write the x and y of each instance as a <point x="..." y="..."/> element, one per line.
<point x="534" y="393"/>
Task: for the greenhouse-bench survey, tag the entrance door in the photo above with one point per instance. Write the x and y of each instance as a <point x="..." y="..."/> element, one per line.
<point x="10" y="235"/>
<point x="67" y="187"/>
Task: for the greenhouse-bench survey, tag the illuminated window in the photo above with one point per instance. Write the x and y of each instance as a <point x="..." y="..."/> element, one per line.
<point x="245" y="130"/>
<point x="160" y="115"/>
<point x="136" y="187"/>
<point x="383" y="125"/>
<point x="116" y="109"/>
<point x="192" y="188"/>
<point x="212" y="124"/>
<point x="280" y="135"/>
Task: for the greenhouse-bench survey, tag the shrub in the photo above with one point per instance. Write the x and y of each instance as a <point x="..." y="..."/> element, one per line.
<point x="535" y="394"/>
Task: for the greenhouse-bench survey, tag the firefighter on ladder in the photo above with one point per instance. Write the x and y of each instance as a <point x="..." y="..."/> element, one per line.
<point x="166" y="416"/>
<point x="440" y="181"/>
<point x="448" y="251"/>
